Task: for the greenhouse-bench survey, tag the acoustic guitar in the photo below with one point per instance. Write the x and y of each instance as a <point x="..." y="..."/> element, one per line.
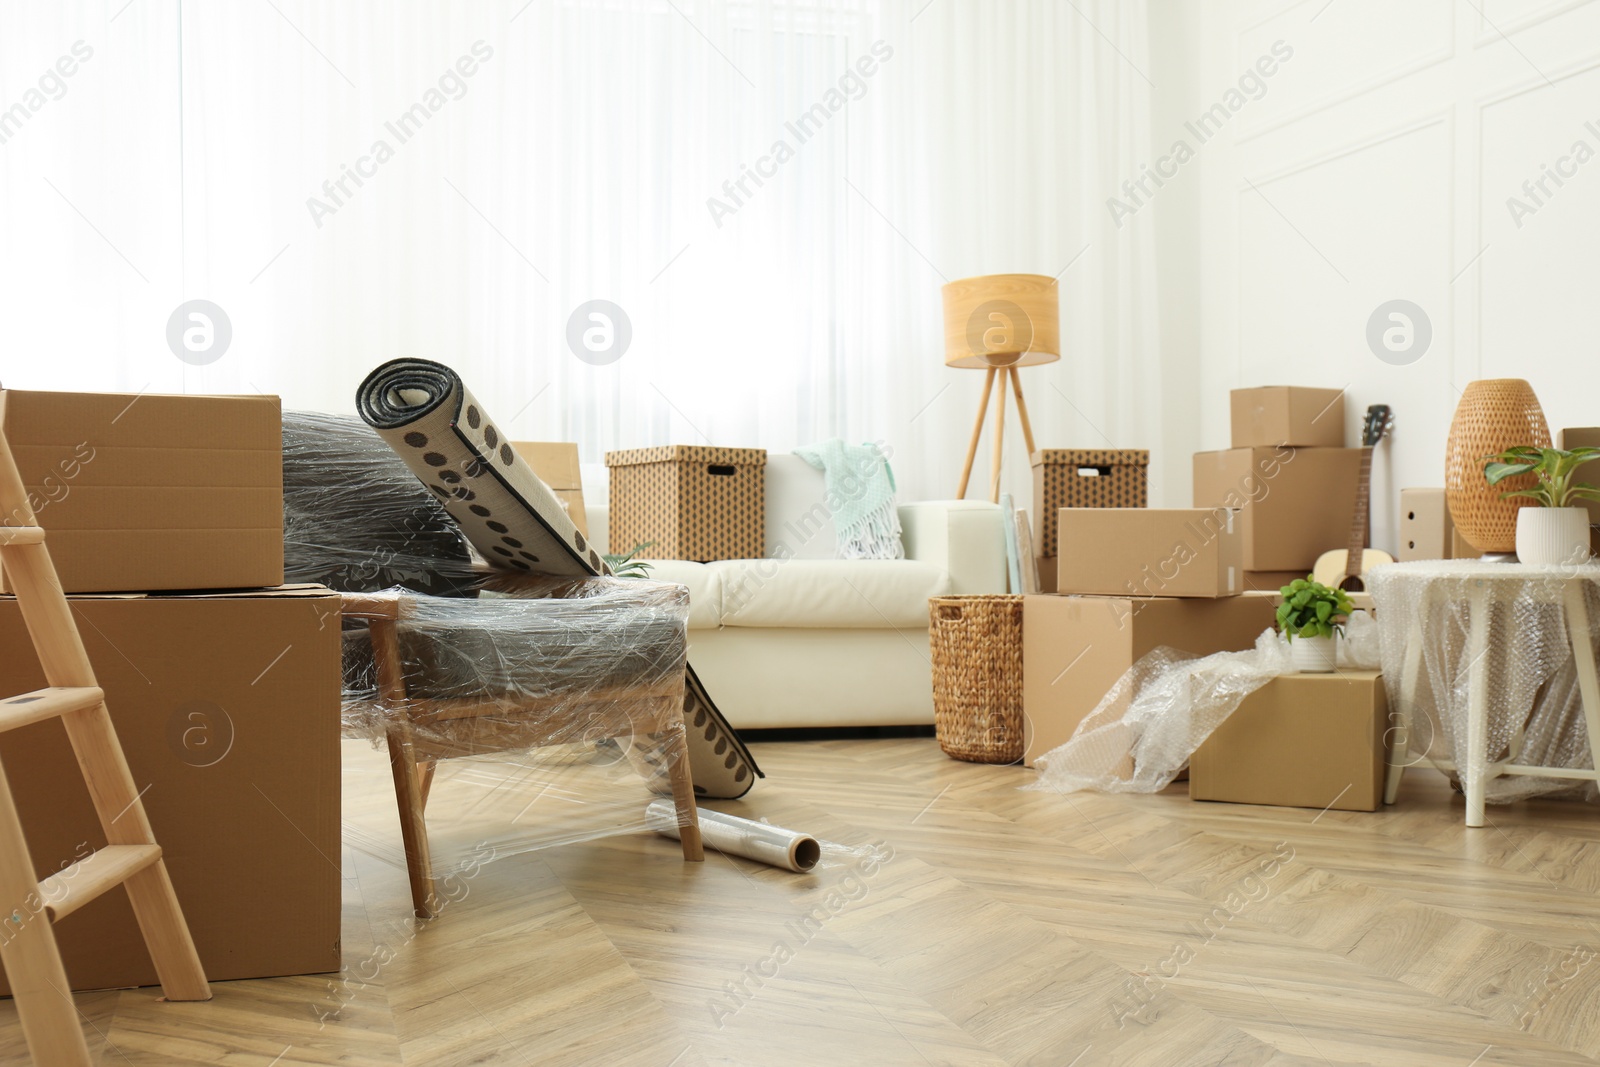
<point x="1346" y="568"/>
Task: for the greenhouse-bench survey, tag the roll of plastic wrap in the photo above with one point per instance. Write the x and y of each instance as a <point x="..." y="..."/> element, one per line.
<point x="742" y="837"/>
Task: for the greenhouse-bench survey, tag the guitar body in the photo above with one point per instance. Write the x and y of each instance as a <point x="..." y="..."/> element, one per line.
<point x="1334" y="567"/>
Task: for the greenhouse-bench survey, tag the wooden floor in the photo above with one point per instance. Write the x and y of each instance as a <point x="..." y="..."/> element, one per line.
<point x="1007" y="928"/>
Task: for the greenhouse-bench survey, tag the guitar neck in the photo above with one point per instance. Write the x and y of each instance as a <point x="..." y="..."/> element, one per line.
<point x="1358" y="520"/>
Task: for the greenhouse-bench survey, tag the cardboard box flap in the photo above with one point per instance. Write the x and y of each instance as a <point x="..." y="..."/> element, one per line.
<point x="709" y="454"/>
<point x="141" y="420"/>
<point x="1091" y="457"/>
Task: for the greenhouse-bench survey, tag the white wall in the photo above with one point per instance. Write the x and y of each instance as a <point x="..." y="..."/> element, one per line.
<point x="1377" y="165"/>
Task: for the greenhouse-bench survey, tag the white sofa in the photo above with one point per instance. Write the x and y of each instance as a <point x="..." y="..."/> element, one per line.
<point x="802" y="638"/>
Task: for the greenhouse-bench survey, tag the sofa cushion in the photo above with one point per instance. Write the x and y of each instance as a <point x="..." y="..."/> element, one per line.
<point x="705" y="589"/>
<point x="834" y="593"/>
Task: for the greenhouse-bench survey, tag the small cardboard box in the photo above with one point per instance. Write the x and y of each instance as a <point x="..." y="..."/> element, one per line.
<point x="1176" y="552"/>
<point x="1074" y="648"/>
<point x="227" y="706"/>
<point x="146" y="492"/>
<point x="1287" y="415"/>
<point x="1426" y="531"/>
<point x="556" y="464"/>
<point x="1300" y="741"/>
<point x="1296" y="503"/>
<point x="1084" y="478"/>
<point x="1581" y="437"/>
<point x="693" y="502"/>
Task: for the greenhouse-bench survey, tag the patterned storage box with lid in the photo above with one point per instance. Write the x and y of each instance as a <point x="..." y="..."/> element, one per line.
<point x="689" y="502"/>
<point x="1084" y="478"/>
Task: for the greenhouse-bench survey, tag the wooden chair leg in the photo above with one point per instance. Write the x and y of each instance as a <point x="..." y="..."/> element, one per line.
<point x="676" y="741"/>
<point x="425" y="779"/>
<point x="409" y="793"/>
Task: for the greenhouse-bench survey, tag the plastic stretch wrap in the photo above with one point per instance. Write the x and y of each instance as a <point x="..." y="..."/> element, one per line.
<point x="550" y="719"/>
<point x="1427" y="609"/>
<point x="1162" y="709"/>
<point x="357" y="520"/>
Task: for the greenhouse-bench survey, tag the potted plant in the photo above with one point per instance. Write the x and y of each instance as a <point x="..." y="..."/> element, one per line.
<point x="1556" y="530"/>
<point x="1312" y="617"/>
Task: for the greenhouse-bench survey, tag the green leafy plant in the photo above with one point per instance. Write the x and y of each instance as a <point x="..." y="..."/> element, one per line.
<point x="1311" y="609"/>
<point x="1552" y="468"/>
<point x="624" y="565"/>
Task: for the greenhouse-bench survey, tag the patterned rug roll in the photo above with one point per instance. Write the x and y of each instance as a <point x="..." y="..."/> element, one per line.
<point x="448" y="440"/>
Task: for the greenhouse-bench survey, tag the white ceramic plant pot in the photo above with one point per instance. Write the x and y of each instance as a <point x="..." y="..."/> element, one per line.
<point x="1552" y="535"/>
<point x="1314" y="655"/>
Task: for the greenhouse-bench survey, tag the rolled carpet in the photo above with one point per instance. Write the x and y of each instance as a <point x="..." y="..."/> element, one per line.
<point x="449" y="441"/>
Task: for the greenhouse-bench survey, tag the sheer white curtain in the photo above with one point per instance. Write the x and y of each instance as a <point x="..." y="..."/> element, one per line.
<point x="780" y="277"/>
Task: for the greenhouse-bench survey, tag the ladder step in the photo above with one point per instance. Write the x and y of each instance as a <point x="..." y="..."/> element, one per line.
<point x="40" y="704"/>
<point x="21" y="535"/>
<point x="72" y="887"/>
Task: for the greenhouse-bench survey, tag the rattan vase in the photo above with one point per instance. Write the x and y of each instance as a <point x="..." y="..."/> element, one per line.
<point x="1494" y="414"/>
<point x="975" y="643"/>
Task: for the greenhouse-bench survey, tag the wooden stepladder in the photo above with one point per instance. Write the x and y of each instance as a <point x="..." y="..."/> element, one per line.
<point x="131" y="858"/>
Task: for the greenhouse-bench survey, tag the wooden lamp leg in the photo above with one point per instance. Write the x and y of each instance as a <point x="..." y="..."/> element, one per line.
<point x="1022" y="413"/>
<point x="999" y="437"/>
<point x="977" y="432"/>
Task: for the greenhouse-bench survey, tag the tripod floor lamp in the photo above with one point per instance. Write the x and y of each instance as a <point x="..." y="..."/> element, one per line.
<point x="998" y="323"/>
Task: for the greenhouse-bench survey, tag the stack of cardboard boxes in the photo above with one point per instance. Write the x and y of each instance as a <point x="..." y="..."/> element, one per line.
<point x="1205" y="580"/>
<point x="164" y="516"/>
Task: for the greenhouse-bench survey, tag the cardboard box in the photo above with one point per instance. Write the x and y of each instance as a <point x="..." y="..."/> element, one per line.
<point x="1295" y="503"/>
<point x="148" y="492"/>
<point x="1048" y="566"/>
<point x="227" y="706"/>
<point x="1426" y="530"/>
<point x="1461" y="548"/>
<point x="1581" y="437"/>
<point x="1177" y="552"/>
<point x="1300" y="741"/>
<point x="1269" y="581"/>
<point x="689" y="502"/>
<point x="1287" y="415"/>
<point x="1084" y="478"/>
<point x="1074" y="648"/>
<point x="556" y="464"/>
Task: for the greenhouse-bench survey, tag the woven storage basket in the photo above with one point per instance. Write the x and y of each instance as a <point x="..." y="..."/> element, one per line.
<point x="976" y="645"/>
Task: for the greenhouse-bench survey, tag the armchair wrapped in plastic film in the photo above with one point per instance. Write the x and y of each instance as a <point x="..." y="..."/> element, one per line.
<point x="559" y="704"/>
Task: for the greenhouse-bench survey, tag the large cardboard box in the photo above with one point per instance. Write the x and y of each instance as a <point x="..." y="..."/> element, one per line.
<point x="1084" y="478"/>
<point x="1074" y="648"/>
<point x="556" y="464"/>
<point x="1426" y="530"/>
<point x="148" y="492"/>
<point x="1580" y="437"/>
<point x="1287" y="415"/>
<point x="227" y="706"/>
<point x="1295" y="503"/>
<point x="1178" y="552"/>
<point x="1300" y="741"/>
<point x="689" y="502"/>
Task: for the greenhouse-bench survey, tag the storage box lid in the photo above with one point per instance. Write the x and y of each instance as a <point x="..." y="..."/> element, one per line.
<point x="730" y="457"/>
<point x="1092" y="457"/>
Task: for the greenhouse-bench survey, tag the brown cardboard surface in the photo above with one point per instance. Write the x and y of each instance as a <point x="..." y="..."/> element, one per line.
<point x="1269" y="581"/>
<point x="228" y="710"/>
<point x="1048" y="568"/>
<point x="1084" y="478"/>
<point x="689" y="502"/>
<point x="1580" y="437"/>
<point x="1300" y="741"/>
<point x="151" y="492"/>
<point x="1461" y="548"/>
<point x="1296" y="503"/>
<point x="1425" y="526"/>
<point x="1179" y="552"/>
<point x="556" y="464"/>
<point x="1074" y="648"/>
<point x="1287" y="415"/>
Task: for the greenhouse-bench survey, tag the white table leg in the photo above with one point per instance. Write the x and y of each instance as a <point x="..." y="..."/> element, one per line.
<point x="1583" y="659"/>
<point x="1473" y="769"/>
<point x="1400" y="738"/>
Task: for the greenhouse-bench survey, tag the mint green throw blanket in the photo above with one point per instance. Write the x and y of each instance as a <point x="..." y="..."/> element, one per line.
<point x="858" y="488"/>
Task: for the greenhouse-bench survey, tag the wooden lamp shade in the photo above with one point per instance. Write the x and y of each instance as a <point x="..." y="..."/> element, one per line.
<point x="1494" y="415"/>
<point x="1001" y="320"/>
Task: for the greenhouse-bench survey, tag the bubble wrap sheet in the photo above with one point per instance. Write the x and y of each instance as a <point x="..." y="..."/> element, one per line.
<point x="1425" y="609"/>
<point x="1162" y="709"/>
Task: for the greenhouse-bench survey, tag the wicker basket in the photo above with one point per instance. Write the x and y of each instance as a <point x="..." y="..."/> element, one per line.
<point x="976" y="645"/>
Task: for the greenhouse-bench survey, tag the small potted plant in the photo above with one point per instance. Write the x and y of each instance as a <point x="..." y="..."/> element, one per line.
<point x="1556" y="529"/>
<point x="1312" y="617"/>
